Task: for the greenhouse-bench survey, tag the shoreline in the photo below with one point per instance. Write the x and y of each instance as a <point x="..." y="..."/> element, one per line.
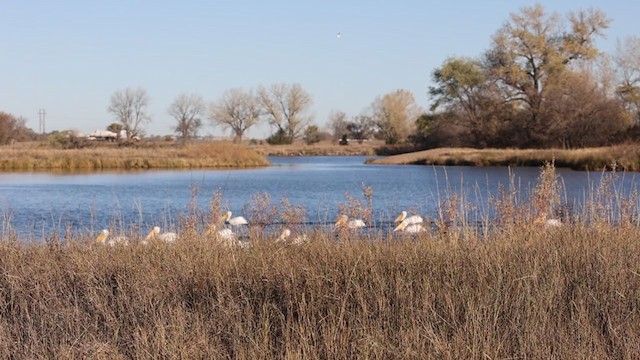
<point x="618" y="157"/>
<point x="144" y="156"/>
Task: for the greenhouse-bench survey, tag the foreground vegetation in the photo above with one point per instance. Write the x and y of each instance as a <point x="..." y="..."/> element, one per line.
<point x="511" y="288"/>
<point x="151" y="155"/>
<point x="625" y="157"/>
<point x="570" y="293"/>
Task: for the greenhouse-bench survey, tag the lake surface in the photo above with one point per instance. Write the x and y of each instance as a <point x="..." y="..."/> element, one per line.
<point x="37" y="204"/>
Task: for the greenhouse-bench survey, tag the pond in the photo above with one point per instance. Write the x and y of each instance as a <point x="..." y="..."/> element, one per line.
<point x="36" y="204"/>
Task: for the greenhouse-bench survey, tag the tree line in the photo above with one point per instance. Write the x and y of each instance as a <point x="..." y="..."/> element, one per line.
<point x="285" y="107"/>
<point x="542" y="83"/>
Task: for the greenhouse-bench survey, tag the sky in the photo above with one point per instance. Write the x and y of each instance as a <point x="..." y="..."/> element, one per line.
<point x="69" y="57"/>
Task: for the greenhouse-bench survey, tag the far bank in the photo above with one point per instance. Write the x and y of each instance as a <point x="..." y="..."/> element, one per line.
<point x="621" y="157"/>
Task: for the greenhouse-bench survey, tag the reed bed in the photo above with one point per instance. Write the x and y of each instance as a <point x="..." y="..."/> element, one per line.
<point x="323" y="148"/>
<point x="516" y="288"/>
<point x="625" y="157"/>
<point x="149" y="156"/>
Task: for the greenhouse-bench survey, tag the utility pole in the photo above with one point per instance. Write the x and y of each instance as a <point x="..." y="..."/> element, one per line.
<point x="41" y="115"/>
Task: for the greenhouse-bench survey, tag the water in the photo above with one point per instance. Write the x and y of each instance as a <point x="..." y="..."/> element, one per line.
<point x="37" y="204"/>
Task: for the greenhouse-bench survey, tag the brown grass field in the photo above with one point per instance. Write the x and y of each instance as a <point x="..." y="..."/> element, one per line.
<point x="626" y="157"/>
<point x="514" y="288"/>
<point x="323" y="148"/>
<point x="39" y="156"/>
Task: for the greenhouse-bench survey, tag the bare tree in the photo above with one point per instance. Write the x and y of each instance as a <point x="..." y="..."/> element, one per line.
<point x="338" y="124"/>
<point x="187" y="109"/>
<point x="361" y="127"/>
<point x="285" y="106"/>
<point x="627" y="59"/>
<point x="237" y="110"/>
<point x="129" y="106"/>
<point x="395" y="114"/>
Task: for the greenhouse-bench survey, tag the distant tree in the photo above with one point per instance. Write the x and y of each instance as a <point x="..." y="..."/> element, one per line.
<point x="13" y="128"/>
<point x="237" y="110"/>
<point x="187" y="110"/>
<point x="129" y="107"/>
<point x="338" y="124"/>
<point x="462" y="88"/>
<point x="394" y="115"/>
<point x="280" y="137"/>
<point x="311" y="134"/>
<point x="580" y="114"/>
<point x="627" y="59"/>
<point x="115" y="127"/>
<point x="360" y="128"/>
<point x="285" y="107"/>
<point x="534" y="47"/>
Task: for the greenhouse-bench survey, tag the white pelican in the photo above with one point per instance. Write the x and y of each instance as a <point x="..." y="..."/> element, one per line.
<point x="104" y="239"/>
<point x="343" y="221"/>
<point x="410" y="228"/>
<point x="542" y="219"/>
<point x="224" y="234"/>
<point x="414" y="219"/>
<point x="286" y="234"/>
<point x="236" y="221"/>
<point x="168" y="237"/>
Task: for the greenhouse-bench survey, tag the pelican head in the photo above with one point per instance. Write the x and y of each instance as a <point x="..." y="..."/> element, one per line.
<point x="342" y="220"/>
<point x="103" y="235"/>
<point x="402" y="216"/>
<point x="284" y="235"/>
<point x="155" y="231"/>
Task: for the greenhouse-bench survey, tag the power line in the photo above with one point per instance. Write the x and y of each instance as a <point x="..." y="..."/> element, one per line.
<point x="41" y="116"/>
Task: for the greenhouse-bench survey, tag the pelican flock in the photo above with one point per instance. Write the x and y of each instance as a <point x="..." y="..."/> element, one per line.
<point x="406" y="223"/>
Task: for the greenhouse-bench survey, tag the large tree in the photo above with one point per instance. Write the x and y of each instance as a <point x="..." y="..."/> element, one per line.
<point x="286" y="107"/>
<point x="627" y="59"/>
<point x="237" y="110"/>
<point x="463" y="91"/>
<point x="129" y="106"/>
<point x="533" y="47"/>
<point x="395" y="114"/>
<point x="187" y="110"/>
<point x="338" y="124"/>
<point x="13" y="128"/>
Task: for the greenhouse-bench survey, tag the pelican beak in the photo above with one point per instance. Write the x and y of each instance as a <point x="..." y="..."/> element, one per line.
<point x="151" y="235"/>
<point x="340" y="222"/>
<point x="224" y="217"/>
<point x="101" y="237"/>
<point x="400" y="227"/>
<point x="398" y="219"/>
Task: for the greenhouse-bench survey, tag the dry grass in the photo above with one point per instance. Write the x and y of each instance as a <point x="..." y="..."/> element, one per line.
<point x="323" y="148"/>
<point x="626" y="157"/>
<point x="144" y="156"/>
<point x="517" y="290"/>
<point x="574" y="293"/>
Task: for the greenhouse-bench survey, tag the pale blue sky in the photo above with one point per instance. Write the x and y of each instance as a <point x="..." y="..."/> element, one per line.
<point x="68" y="57"/>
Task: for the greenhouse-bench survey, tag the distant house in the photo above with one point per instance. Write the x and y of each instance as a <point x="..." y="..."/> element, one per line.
<point x="103" y="135"/>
